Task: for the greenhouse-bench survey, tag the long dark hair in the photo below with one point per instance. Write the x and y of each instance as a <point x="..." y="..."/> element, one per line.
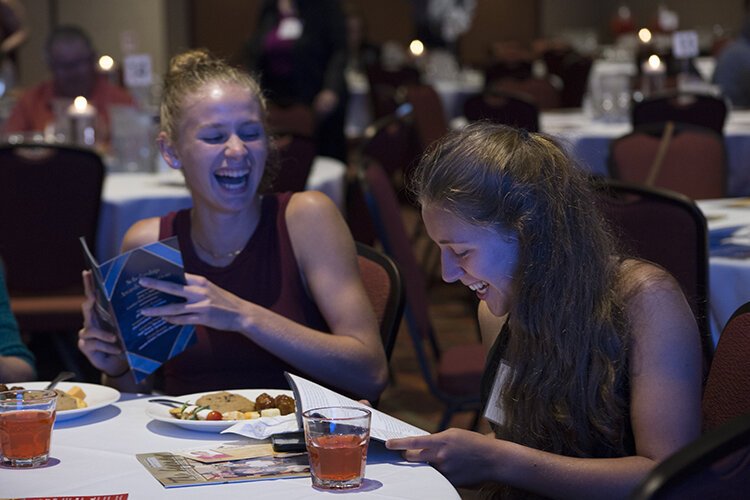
<point x="569" y="341"/>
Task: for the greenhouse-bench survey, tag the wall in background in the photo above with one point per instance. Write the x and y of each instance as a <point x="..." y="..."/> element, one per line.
<point x="164" y="27"/>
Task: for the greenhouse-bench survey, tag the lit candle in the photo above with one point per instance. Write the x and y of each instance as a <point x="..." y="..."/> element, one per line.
<point x="82" y="116"/>
<point x="653" y="71"/>
<point x="644" y="35"/>
<point x="416" y="47"/>
<point x="107" y="68"/>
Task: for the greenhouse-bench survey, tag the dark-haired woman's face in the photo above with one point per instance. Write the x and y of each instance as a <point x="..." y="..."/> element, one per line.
<point x="479" y="257"/>
<point x="221" y="145"/>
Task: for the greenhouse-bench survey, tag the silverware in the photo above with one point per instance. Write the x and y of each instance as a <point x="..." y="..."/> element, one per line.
<point x="60" y="377"/>
<point x="173" y="403"/>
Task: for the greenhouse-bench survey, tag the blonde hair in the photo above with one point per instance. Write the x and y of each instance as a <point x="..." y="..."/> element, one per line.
<point x="189" y="72"/>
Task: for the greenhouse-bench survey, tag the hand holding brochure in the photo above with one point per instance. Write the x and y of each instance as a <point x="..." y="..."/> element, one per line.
<point x="147" y="341"/>
<point x="310" y="395"/>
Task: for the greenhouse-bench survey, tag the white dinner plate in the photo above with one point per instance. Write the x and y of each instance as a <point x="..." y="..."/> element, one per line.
<point x="97" y="396"/>
<point x="160" y="412"/>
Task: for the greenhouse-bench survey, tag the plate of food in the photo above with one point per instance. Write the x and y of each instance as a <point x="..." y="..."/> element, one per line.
<point x="76" y="398"/>
<point x="219" y="410"/>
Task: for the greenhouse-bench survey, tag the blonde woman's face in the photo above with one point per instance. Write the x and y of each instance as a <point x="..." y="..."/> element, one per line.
<point x="221" y="145"/>
<point x="479" y="257"/>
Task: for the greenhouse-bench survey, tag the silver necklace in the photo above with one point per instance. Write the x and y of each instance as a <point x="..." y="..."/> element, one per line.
<point x="232" y="254"/>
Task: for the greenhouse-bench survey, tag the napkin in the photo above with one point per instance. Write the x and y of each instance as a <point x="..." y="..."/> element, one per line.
<point x="262" y="428"/>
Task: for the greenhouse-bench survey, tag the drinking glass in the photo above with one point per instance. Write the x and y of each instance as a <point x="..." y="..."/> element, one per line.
<point x="26" y="418"/>
<point x="337" y="439"/>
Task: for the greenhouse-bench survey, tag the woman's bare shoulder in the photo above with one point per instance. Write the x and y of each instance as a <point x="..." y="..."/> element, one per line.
<point x="141" y="233"/>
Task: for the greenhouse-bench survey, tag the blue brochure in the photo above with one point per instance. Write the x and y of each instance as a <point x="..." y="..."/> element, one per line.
<point x="147" y="341"/>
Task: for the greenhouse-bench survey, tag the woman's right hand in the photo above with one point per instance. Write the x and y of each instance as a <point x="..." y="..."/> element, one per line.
<point x="99" y="346"/>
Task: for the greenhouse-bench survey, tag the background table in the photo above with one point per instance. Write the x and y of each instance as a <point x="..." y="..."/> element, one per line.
<point x="729" y="277"/>
<point x="130" y="197"/>
<point x="588" y="141"/>
<point x="95" y="455"/>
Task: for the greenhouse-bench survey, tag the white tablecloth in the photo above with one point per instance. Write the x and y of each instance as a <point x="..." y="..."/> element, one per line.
<point x="729" y="277"/>
<point x="95" y="455"/>
<point x="589" y="142"/>
<point x="130" y="197"/>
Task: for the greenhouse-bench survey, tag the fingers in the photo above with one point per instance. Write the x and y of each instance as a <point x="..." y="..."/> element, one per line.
<point x="410" y="443"/>
<point x="164" y="286"/>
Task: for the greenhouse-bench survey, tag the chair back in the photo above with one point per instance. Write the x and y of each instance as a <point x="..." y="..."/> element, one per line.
<point x="541" y="91"/>
<point x="428" y="116"/>
<point x="387" y="87"/>
<point x="452" y="375"/>
<point x="50" y="195"/>
<point x="688" y="159"/>
<point x="698" y="109"/>
<point x="727" y="390"/>
<point x="716" y="465"/>
<point x="296" y="119"/>
<point x="503" y="107"/>
<point x="382" y="280"/>
<point x="295" y="154"/>
<point x="666" y="228"/>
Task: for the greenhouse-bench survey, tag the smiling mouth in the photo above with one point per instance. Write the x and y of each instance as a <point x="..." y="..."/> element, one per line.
<point x="479" y="286"/>
<point x="232" y="179"/>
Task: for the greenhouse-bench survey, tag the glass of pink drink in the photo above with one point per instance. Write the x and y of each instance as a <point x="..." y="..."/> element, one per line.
<point x="337" y="439"/>
<point x="26" y="418"/>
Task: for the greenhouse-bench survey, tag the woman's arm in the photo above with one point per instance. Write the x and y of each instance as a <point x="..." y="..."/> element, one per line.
<point x="351" y="357"/>
<point x="665" y="370"/>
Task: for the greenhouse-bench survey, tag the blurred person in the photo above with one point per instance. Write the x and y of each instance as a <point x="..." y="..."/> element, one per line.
<point x="593" y="373"/>
<point x="361" y="53"/>
<point x="298" y="49"/>
<point x="17" y="363"/>
<point x="732" y="72"/>
<point x="14" y="31"/>
<point x="72" y="60"/>
<point x="272" y="279"/>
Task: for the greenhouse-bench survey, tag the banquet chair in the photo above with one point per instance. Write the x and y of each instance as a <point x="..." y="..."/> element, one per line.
<point x="430" y="122"/>
<point x="295" y="155"/>
<point x="685" y="158"/>
<point x="726" y="394"/>
<point x="698" y="109"/>
<point x="452" y="374"/>
<point x="716" y="465"/>
<point x="50" y="195"/>
<point x="387" y="87"/>
<point x="541" y="91"/>
<point x="502" y="107"/>
<point x="666" y="228"/>
<point x="292" y="129"/>
<point x="297" y="119"/>
<point x="382" y="280"/>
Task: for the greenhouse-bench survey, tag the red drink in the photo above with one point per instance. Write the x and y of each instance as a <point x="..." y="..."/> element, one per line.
<point x="26" y="418"/>
<point x="338" y="457"/>
<point x="25" y="434"/>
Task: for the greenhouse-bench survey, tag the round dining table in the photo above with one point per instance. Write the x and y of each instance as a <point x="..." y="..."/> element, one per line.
<point x="94" y="455"/>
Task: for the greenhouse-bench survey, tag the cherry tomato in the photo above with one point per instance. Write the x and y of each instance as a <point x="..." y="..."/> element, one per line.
<point x="214" y="415"/>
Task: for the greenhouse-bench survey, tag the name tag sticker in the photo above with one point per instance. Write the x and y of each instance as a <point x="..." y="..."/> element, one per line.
<point x="493" y="412"/>
<point x="290" y="28"/>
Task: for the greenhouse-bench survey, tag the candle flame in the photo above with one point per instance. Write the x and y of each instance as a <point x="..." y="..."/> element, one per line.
<point x="416" y="47"/>
<point x="654" y="62"/>
<point x="644" y="34"/>
<point x="80" y="103"/>
<point x="106" y="63"/>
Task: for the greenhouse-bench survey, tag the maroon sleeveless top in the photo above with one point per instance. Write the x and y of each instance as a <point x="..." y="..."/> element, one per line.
<point x="265" y="273"/>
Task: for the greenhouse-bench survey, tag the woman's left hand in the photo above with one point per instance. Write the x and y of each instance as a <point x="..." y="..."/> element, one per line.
<point x="464" y="457"/>
<point x="206" y="304"/>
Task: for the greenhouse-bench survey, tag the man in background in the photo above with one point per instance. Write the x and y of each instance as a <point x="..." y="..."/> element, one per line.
<point x="71" y="59"/>
<point x="732" y="73"/>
